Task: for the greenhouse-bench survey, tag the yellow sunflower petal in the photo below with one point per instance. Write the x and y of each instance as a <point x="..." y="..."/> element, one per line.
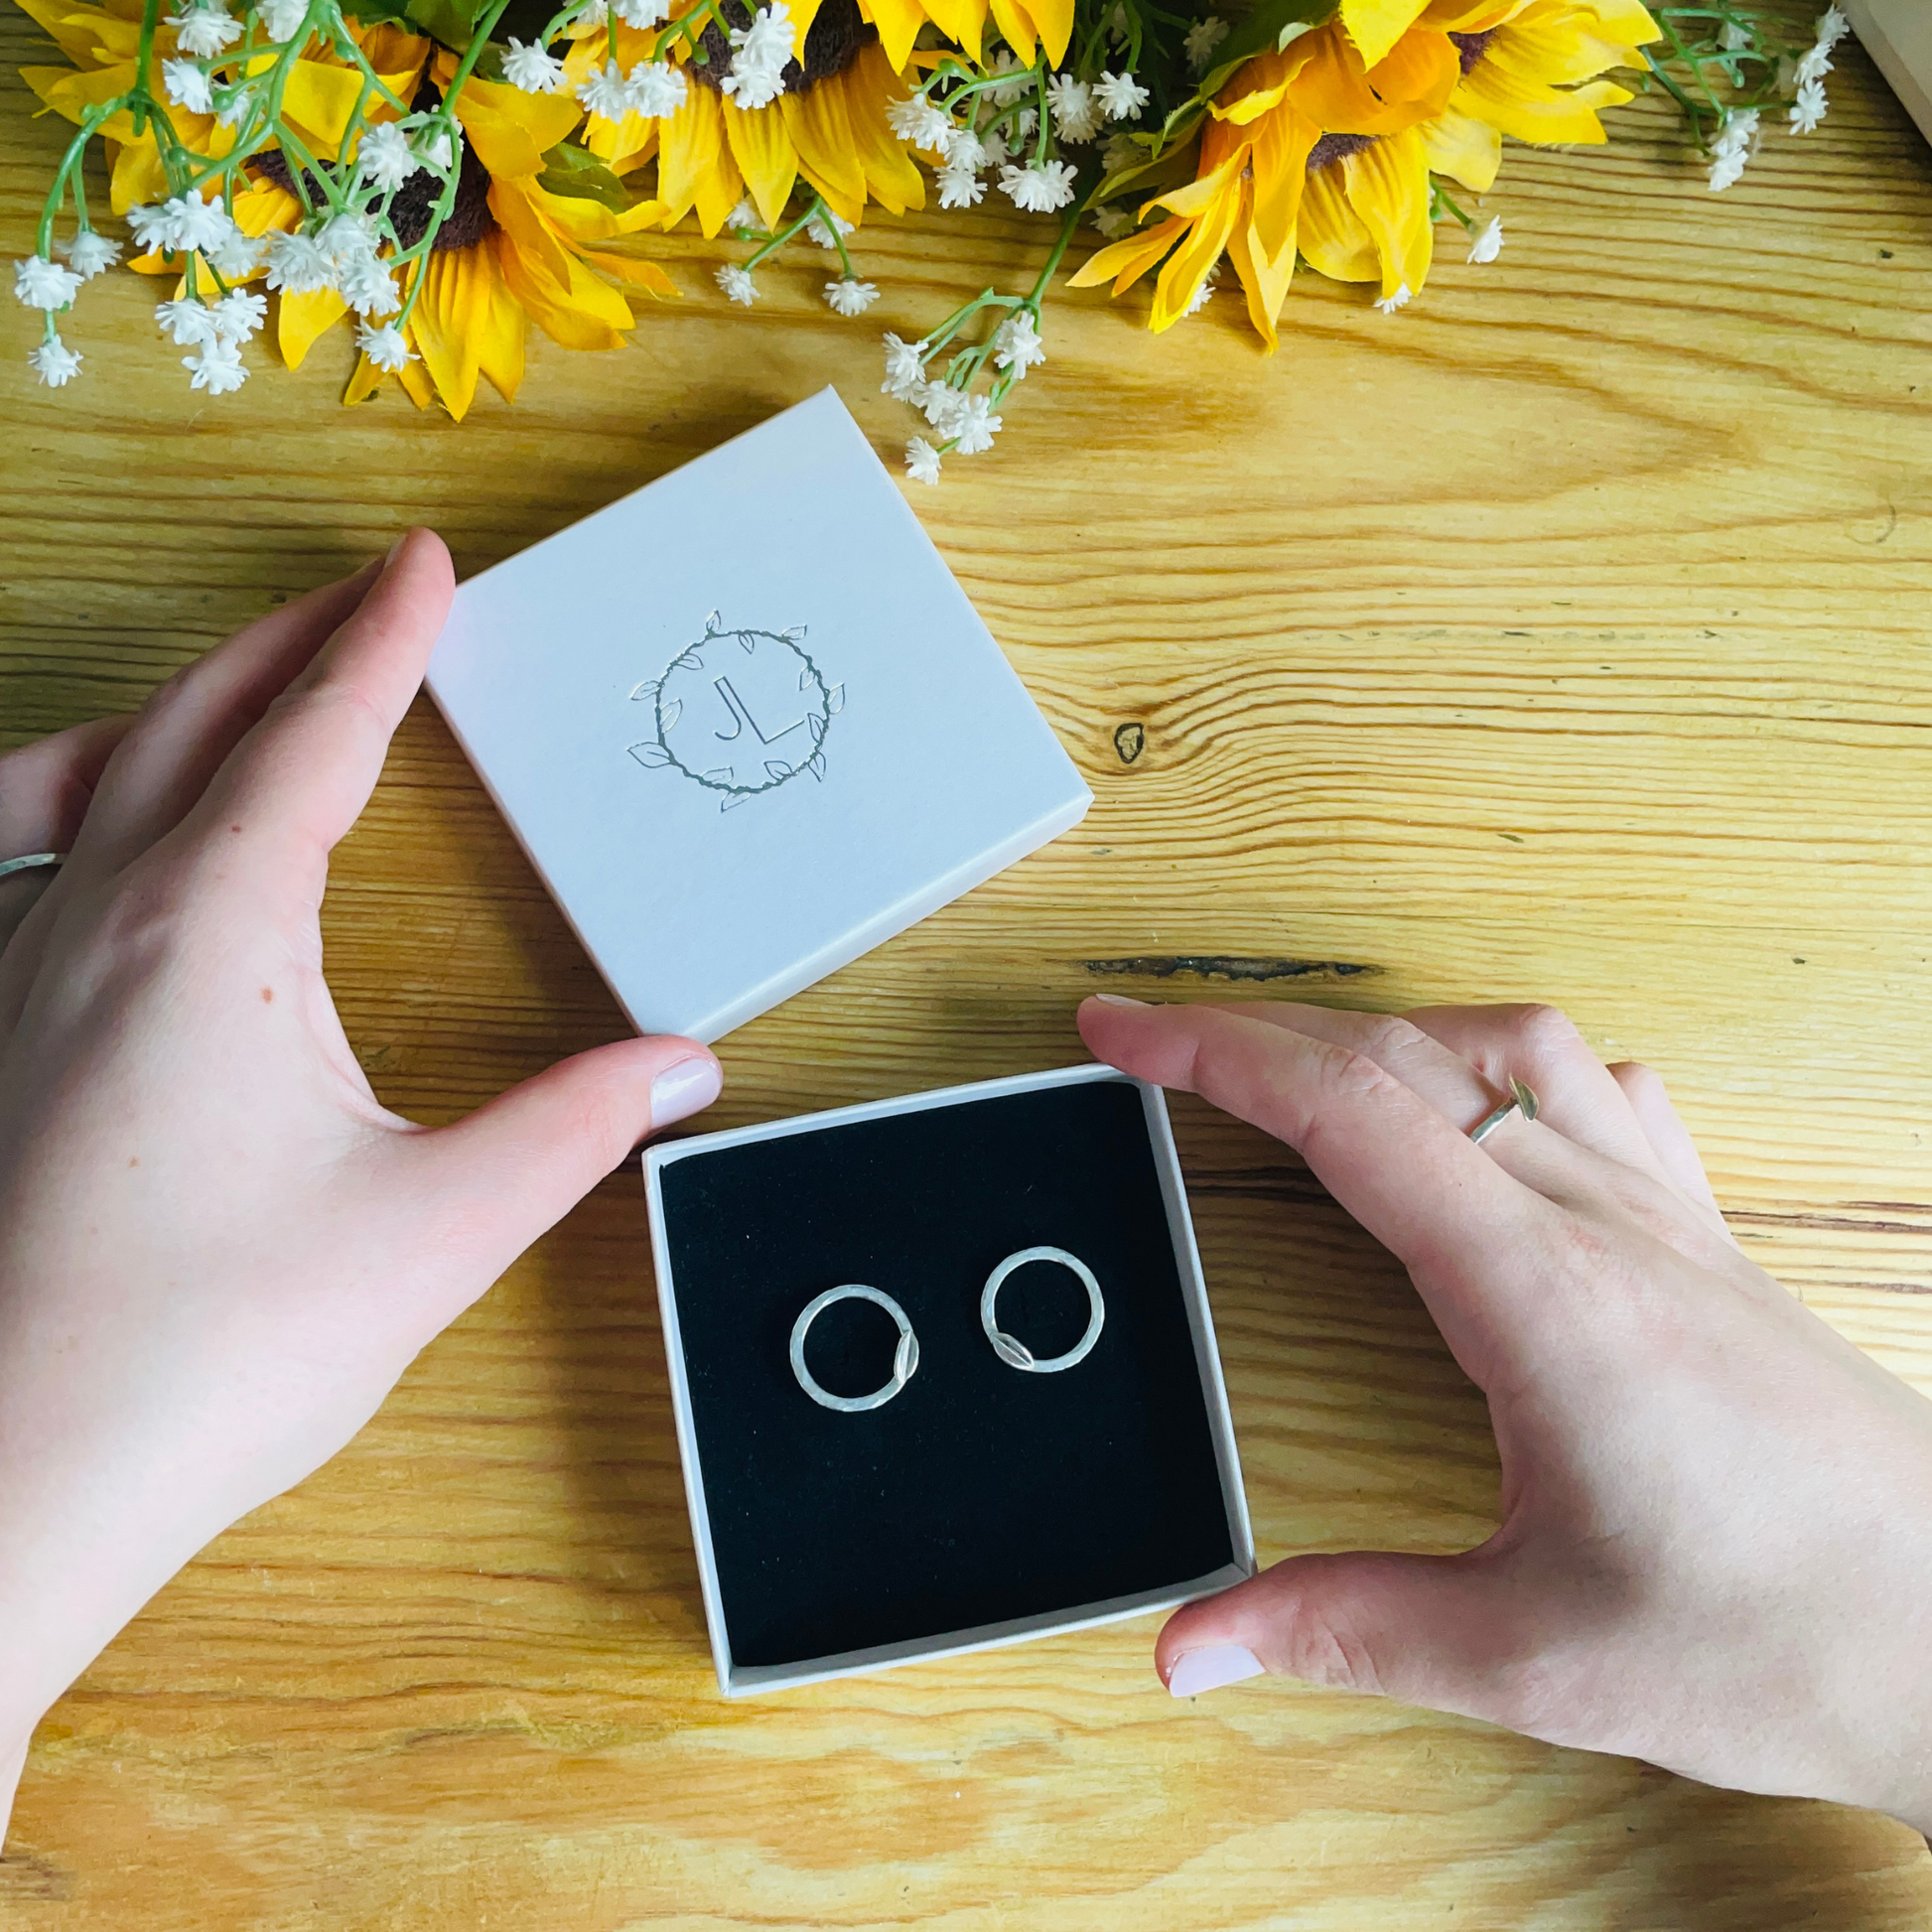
<point x="639" y="274"/>
<point x="898" y="23"/>
<point x="1330" y="235"/>
<point x="1376" y="25"/>
<point x="1054" y="20"/>
<point x="512" y="130"/>
<point x="1183" y="273"/>
<point x="1279" y="157"/>
<point x="1412" y="84"/>
<point x="1464" y="148"/>
<point x="499" y="340"/>
<point x="1128" y="258"/>
<point x="300" y="319"/>
<point x="535" y="239"/>
<point x="317" y="99"/>
<point x="78" y="31"/>
<point x="695" y="167"/>
<point x="963" y="21"/>
<point x="762" y="147"/>
<point x="1016" y="27"/>
<point x="138" y="175"/>
<point x="578" y="313"/>
<point x="1264" y="281"/>
<point x="1387" y="185"/>
<point x="447" y="323"/>
<point x="869" y="83"/>
<point x="366" y="381"/>
<point x="821" y="135"/>
<point x="1197" y="195"/>
<point x="1514" y="102"/>
<point x="69" y="93"/>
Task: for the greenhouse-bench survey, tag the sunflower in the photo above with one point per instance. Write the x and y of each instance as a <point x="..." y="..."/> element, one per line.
<point x="512" y="251"/>
<point x="829" y="125"/>
<point x="1021" y="24"/>
<point x="1362" y="137"/>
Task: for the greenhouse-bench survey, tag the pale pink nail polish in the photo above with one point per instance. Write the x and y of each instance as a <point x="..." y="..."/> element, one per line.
<point x="680" y="1090"/>
<point x="1118" y="999"/>
<point x="1212" y="1667"/>
<point x="395" y="550"/>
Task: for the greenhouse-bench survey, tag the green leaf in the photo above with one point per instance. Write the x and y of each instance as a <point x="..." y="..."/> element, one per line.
<point x="373" y="10"/>
<point x="453" y="22"/>
<point x="569" y="170"/>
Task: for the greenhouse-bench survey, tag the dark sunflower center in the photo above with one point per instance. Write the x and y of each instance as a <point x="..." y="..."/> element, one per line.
<point x="1471" y="47"/>
<point x="836" y="38"/>
<point x="1339" y="147"/>
<point x="470" y="217"/>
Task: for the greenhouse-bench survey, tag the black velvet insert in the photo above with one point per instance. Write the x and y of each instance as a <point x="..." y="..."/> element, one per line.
<point x="980" y="1494"/>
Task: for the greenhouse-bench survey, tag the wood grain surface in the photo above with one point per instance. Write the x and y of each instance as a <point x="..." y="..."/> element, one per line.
<point x="1563" y="637"/>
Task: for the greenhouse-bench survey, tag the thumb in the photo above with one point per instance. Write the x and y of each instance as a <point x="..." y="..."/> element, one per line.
<point x="514" y="1167"/>
<point x="1442" y="1631"/>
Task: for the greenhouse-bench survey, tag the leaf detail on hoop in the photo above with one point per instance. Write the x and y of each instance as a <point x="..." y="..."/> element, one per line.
<point x="650" y="752"/>
<point x="835" y="701"/>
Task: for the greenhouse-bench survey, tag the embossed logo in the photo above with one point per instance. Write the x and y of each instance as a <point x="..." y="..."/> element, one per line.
<point x="740" y="711"/>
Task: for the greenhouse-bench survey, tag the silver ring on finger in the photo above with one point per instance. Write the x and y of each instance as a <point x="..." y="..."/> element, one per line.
<point x="1522" y="1100"/>
<point x="31" y="861"/>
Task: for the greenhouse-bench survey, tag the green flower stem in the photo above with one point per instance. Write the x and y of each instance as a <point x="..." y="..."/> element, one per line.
<point x="141" y="100"/>
<point x="783" y="236"/>
<point x="69" y="172"/>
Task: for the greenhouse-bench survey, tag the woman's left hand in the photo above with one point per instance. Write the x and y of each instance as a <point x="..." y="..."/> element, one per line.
<point x="217" y="1250"/>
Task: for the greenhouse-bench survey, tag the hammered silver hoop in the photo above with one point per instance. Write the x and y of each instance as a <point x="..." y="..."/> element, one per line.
<point x="906" y="1357"/>
<point x="1015" y="1354"/>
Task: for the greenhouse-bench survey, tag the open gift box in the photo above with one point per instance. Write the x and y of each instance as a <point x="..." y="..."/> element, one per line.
<point x="981" y="1504"/>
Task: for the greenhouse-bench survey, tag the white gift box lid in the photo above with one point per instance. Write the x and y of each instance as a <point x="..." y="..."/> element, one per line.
<point x="747" y="725"/>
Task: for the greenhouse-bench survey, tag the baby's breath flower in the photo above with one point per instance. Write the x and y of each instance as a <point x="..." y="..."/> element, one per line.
<point x="823" y="235"/>
<point x="205" y="28"/>
<point x="850" y="297"/>
<point x="976" y="427"/>
<point x="744" y="215"/>
<point x="1121" y="95"/>
<point x="238" y="315"/>
<point x="1071" y="102"/>
<point x="44" y="284"/>
<point x="1017" y="345"/>
<point x="1831" y="26"/>
<point x="1024" y="122"/>
<point x="298" y="264"/>
<point x="921" y="460"/>
<point x="1808" y="110"/>
<point x="920" y="124"/>
<point x="88" y="253"/>
<point x="960" y="188"/>
<point x="282" y="19"/>
<point x="54" y="362"/>
<point x="1389" y="304"/>
<point x="942" y="406"/>
<point x="758" y="55"/>
<point x="384" y="156"/>
<point x="186" y="86"/>
<point x="188" y="321"/>
<point x="904" y="369"/>
<point x="384" y="346"/>
<point x="1204" y="37"/>
<point x="347" y="238"/>
<point x="605" y="92"/>
<point x="1112" y="222"/>
<point x="993" y="148"/>
<point x="642" y="13"/>
<point x="1041" y="187"/>
<point x="235" y="256"/>
<point x="965" y="149"/>
<point x="655" y="88"/>
<point x="434" y="152"/>
<point x="738" y="284"/>
<point x="1486" y="244"/>
<point x="1733" y="149"/>
<point x="367" y="286"/>
<point x="190" y="221"/>
<point x="1004" y="97"/>
<point x="532" y="68"/>
<point x="215" y="367"/>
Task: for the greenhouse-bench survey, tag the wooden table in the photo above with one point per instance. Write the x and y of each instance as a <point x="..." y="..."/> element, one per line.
<point x="1563" y="637"/>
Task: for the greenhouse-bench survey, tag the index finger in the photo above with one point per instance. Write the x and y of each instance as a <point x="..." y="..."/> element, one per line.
<point x="296" y="784"/>
<point x="1434" y="1198"/>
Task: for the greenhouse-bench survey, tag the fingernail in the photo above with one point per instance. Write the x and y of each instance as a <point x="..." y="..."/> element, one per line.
<point x="395" y="550"/>
<point x="1212" y="1667"/>
<point x="1118" y="999"/>
<point x="680" y="1090"/>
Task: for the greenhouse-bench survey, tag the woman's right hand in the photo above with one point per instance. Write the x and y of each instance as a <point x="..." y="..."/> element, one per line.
<point x="1715" y="1548"/>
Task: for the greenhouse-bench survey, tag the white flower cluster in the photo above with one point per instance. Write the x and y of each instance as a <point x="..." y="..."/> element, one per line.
<point x="1736" y="138"/>
<point x="1204" y="37"/>
<point x="651" y="89"/>
<point x="214" y="332"/>
<point x="1808" y="77"/>
<point x="964" y="423"/>
<point x="759" y="52"/>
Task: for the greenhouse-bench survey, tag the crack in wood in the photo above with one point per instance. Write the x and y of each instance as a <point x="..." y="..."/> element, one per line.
<point x="1227" y="966"/>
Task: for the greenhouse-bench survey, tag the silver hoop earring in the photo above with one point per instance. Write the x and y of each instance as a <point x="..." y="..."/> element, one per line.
<point x="906" y="1357"/>
<point x="1015" y="1354"/>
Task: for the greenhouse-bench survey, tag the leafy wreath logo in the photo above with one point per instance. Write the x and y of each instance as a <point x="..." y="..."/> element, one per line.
<point x="740" y="711"/>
